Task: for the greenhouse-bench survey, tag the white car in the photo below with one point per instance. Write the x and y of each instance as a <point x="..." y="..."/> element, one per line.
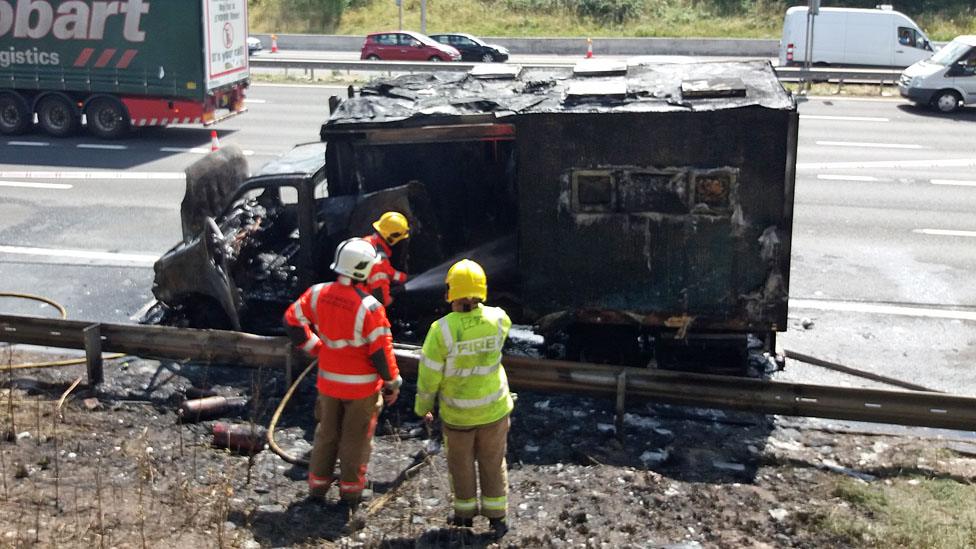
<point x="253" y="45"/>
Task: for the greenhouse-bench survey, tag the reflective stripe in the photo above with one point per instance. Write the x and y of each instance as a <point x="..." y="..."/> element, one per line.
<point x="376" y="334"/>
<point x="399" y="276"/>
<point x="357" y="326"/>
<point x="315" y="482"/>
<point x="339" y="343"/>
<point x="377" y="277"/>
<point x="432" y="364"/>
<point x="426" y="396"/>
<point x="347" y="378"/>
<point x="475" y="402"/>
<point x="446" y="334"/>
<point x="371" y="303"/>
<point x="496" y="504"/>
<point x="316" y="290"/>
<point x="476" y="371"/>
<point x="300" y="315"/>
<point x="310" y="344"/>
<point x="466" y="504"/>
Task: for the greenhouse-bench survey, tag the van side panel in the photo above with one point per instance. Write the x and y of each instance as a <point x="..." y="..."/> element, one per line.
<point x="869" y="39"/>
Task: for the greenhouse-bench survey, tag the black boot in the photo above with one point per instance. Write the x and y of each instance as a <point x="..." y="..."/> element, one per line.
<point x="461" y="522"/>
<point x="497" y="527"/>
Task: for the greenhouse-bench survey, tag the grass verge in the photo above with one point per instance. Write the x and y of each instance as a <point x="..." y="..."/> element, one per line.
<point x="662" y="18"/>
<point x="921" y="513"/>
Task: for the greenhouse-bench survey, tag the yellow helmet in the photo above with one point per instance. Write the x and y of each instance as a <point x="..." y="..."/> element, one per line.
<point x="466" y="279"/>
<point x="393" y="227"/>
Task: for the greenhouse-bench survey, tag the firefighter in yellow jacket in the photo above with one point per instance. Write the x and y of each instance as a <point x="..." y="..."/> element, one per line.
<point x="461" y="369"/>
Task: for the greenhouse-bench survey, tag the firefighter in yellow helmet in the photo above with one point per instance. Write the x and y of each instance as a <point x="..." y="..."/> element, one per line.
<point x="388" y="230"/>
<point x="461" y="368"/>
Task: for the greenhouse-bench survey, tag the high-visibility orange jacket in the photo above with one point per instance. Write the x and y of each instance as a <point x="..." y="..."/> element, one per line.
<point x="383" y="273"/>
<point x="345" y="327"/>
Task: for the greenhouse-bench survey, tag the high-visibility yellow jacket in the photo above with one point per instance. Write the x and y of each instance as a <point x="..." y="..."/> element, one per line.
<point x="461" y="368"/>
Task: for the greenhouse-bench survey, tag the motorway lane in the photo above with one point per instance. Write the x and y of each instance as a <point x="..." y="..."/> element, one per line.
<point x="853" y="240"/>
<point x="59" y="197"/>
<point x="869" y="228"/>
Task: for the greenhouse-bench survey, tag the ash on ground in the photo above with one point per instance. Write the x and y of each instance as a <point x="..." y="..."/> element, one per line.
<point x="118" y="467"/>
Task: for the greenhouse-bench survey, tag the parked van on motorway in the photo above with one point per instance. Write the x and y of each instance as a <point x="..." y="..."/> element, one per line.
<point x="946" y="80"/>
<point x="849" y="36"/>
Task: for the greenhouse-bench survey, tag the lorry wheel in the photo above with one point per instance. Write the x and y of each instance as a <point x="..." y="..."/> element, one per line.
<point x="107" y="118"/>
<point x="57" y="116"/>
<point x="15" y="114"/>
<point x="946" y="101"/>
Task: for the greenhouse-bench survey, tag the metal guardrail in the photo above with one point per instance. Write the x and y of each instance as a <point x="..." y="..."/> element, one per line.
<point x="787" y="74"/>
<point x="795" y="399"/>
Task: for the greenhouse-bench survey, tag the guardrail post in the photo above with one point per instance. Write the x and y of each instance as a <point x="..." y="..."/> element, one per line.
<point x="621" y="399"/>
<point x="840" y="84"/>
<point x="93" y="354"/>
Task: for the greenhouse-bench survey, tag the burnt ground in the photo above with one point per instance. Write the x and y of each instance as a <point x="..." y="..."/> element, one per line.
<point x="123" y="470"/>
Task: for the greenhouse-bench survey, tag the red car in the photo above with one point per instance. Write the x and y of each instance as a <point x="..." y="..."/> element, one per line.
<point x="406" y="46"/>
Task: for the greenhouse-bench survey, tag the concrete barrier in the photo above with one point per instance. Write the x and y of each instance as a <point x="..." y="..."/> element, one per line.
<point x="737" y="47"/>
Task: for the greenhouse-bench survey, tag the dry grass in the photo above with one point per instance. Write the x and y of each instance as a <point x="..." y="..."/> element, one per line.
<point x="922" y="513"/>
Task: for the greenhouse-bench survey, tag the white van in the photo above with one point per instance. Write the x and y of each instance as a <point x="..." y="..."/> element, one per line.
<point x="850" y="36"/>
<point x="946" y="80"/>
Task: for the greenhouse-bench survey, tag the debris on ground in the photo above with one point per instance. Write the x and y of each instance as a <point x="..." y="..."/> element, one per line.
<point x="132" y="472"/>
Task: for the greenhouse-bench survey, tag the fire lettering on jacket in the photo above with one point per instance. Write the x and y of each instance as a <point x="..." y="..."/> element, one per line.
<point x="72" y="20"/>
<point x="475" y="346"/>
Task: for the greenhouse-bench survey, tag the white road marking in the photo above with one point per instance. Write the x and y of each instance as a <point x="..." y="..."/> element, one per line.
<point x="80" y="254"/>
<point x="948" y="163"/>
<point x="256" y="101"/>
<point x="197" y="150"/>
<point x="882" y="309"/>
<point x="846" y="177"/>
<point x="102" y="146"/>
<point x="944" y="232"/>
<point x="870" y="145"/>
<point x="34" y="185"/>
<point x="848" y="118"/>
<point x="954" y="182"/>
<point x="93" y="175"/>
<point x="29" y="143"/>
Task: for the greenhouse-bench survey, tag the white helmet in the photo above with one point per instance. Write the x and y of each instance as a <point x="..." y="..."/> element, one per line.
<point x="354" y="258"/>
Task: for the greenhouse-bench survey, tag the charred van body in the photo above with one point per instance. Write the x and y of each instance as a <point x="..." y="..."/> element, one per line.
<point x="627" y="212"/>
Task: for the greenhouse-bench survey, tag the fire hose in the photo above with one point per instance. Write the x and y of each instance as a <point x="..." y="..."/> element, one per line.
<point x="52" y="363"/>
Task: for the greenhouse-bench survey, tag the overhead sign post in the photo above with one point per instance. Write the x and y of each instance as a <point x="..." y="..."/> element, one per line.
<point x="423" y="16"/>
<point x="399" y="4"/>
<point x="813" y="10"/>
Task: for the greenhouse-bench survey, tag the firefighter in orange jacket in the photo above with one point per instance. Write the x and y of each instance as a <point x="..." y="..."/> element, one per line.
<point x="389" y="229"/>
<point x="347" y="329"/>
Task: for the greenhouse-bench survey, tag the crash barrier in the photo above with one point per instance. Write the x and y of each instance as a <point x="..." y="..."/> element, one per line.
<point x="761" y="47"/>
<point x="919" y="408"/>
<point x="786" y="74"/>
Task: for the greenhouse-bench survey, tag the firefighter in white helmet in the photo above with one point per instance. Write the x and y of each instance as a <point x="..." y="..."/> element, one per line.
<point x="461" y="368"/>
<point x="347" y="329"/>
<point x="390" y="229"/>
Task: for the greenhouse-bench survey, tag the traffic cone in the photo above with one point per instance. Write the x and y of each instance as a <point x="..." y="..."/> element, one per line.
<point x="274" y="43"/>
<point x="214" y="142"/>
<point x="589" y="48"/>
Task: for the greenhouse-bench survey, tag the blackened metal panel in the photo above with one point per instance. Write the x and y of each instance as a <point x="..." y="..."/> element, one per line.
<point x="698" y="250"/>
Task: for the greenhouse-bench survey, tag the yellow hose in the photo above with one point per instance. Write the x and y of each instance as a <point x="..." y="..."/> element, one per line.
<point x="53" y="363"/>
<point x="32" y="297"/>
<point x="277" y="414"/>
